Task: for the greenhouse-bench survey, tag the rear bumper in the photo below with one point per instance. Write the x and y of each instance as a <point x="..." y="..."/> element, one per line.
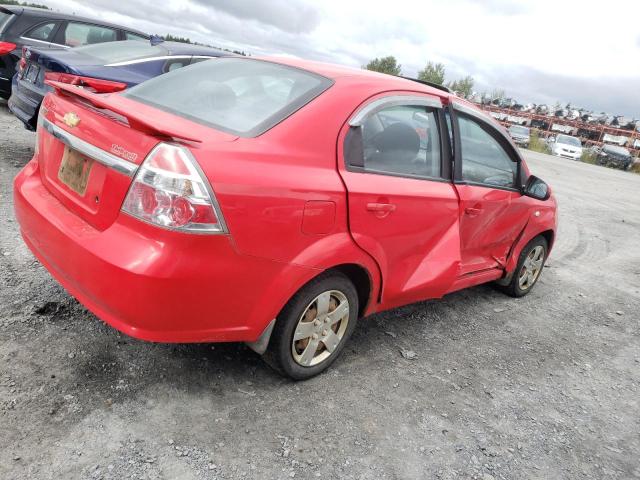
<point x="150" y="283"/>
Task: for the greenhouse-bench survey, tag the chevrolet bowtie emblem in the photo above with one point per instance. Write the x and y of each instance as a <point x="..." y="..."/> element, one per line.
<point x="71" y="119"/>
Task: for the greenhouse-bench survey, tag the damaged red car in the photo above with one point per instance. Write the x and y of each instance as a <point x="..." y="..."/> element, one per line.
<point x="275" y="202"/>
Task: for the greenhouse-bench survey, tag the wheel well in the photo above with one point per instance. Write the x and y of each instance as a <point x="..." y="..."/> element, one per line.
<point x="360" y="278"/>
<point x="548" y="235"/>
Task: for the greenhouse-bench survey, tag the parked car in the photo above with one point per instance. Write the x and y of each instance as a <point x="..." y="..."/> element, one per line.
<point x="521" y="135"/>
<point x="615" y="157"/>
<point x="566" y="146"/>
<point x="104" y="67"/>
<point x="26" y="26"/>
<point x="274" y="202"/>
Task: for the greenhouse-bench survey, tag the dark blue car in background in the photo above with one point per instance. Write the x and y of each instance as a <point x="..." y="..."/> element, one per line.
<point x="106" y="67"/>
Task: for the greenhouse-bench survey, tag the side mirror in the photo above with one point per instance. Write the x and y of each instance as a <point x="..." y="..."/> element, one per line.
<point x="536" y="188"/>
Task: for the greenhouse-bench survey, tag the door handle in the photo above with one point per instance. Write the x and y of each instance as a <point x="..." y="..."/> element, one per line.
<point x="473" y="211"/>
<point x="381" y="207"/>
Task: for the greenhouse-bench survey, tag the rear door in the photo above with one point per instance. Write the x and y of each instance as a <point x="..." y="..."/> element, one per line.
<point x="492" y="209"/>
<point x="394" y="159"/>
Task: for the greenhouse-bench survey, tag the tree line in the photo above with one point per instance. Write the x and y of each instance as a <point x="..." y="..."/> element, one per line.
<point x="24" y="4"/>
<point x="432" y="72"/>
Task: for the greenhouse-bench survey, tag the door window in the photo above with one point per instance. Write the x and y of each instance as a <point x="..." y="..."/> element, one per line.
<point x="134" y="36"/>
<point x="41" y="32"/>
<point x="77" y="34"/>
<point x="484" y="160"/>
<point x="398" y="140"/>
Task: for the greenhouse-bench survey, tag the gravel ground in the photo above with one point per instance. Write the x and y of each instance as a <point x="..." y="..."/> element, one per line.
<point x="545" y="387"/>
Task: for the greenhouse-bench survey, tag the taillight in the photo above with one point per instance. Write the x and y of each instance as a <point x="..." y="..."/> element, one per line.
<point x="170" y="190"/>
<point x="7" y="47"/>
<point x="96" y="85"/>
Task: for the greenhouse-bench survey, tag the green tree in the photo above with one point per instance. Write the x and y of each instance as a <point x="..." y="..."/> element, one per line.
<point x="463" y="87"/>
<point x="433" y="72"/>
<point x="24" y="4"/>
<point x="387" y="65"/>
<point x="173" y="38"/>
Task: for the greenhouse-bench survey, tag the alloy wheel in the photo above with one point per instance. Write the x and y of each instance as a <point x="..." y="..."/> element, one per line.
<point x="531" y="268"/>
<point x="321" y="328"/>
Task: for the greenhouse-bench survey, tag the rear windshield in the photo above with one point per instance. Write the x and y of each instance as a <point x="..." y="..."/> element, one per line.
<point x="567" y="140"/>
<point x="244" y="97"/>
<point x="112" y="52"/>
<point x="4" y="18"/>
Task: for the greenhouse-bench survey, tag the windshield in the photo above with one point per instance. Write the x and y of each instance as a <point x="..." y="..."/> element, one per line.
<point x="112" y="52"/>
<point x="245" y="97"/>
<point x="519" y="130"/>
<point x="567" y="140"/>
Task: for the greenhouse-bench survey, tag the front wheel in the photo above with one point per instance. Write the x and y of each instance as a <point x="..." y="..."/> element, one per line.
<point x="313" y="327"/>
<point x="529" y="268"/>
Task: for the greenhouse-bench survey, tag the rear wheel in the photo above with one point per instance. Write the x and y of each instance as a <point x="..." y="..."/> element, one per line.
<point x="529" y="268"/>
<point x="313" y="327"/>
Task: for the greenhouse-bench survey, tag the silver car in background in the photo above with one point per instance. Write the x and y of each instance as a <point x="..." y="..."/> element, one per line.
<point x="566" y="146"/>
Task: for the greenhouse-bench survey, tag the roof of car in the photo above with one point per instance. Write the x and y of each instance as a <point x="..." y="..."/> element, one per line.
<point x="44" y="13"/>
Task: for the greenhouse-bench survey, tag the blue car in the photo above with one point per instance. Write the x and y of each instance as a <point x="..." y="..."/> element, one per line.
<point x="105" y="67"/>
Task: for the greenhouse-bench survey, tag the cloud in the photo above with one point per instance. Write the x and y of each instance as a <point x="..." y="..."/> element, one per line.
<point x="292" y="16"/>
<point x="515" y="45"/>
<point x="608" y="94"/>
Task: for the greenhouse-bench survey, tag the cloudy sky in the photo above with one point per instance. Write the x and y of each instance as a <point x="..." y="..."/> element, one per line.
<point x="585" y="52"/>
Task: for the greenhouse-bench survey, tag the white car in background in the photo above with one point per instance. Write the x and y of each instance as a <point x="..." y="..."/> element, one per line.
<point x="566" y="146"/>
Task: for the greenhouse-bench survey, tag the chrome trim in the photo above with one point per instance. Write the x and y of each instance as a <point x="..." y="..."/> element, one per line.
<point x="101" y="156"/>
<point x="2" y="78"/>
<point x="392" y="101"/>
<point x="152" y="59"/>
<point x="45" y="42"/>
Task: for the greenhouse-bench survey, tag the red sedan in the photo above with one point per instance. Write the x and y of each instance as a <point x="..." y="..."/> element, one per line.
<point x="275" y="203"/>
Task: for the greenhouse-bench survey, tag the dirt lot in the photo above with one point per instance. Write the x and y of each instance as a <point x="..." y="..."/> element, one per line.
<point x="544" y="387"/>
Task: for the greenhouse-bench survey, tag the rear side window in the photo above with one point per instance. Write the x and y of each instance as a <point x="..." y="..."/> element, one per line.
<point x="41" y="32"/>
<point x="399" y="140"/>
<point x="77" y="34"/>
<point x="242" y="96"/>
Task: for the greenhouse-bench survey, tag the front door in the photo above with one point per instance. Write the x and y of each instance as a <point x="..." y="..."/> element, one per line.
<point x="402" y="208"/>
<point x="492" y="212"/>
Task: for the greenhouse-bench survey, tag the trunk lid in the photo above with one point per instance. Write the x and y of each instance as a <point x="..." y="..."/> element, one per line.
<point x="90" y="146"/>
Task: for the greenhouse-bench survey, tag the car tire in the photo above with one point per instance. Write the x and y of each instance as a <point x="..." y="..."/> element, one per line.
<point x="306" y="338"/>
<point x="530" y="264"/>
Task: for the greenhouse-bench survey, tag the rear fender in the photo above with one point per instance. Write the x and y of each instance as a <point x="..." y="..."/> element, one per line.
<point x="326" y="253"/>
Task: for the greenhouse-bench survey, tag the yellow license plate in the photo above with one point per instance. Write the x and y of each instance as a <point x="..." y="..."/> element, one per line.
<point x="74" y="170"/>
